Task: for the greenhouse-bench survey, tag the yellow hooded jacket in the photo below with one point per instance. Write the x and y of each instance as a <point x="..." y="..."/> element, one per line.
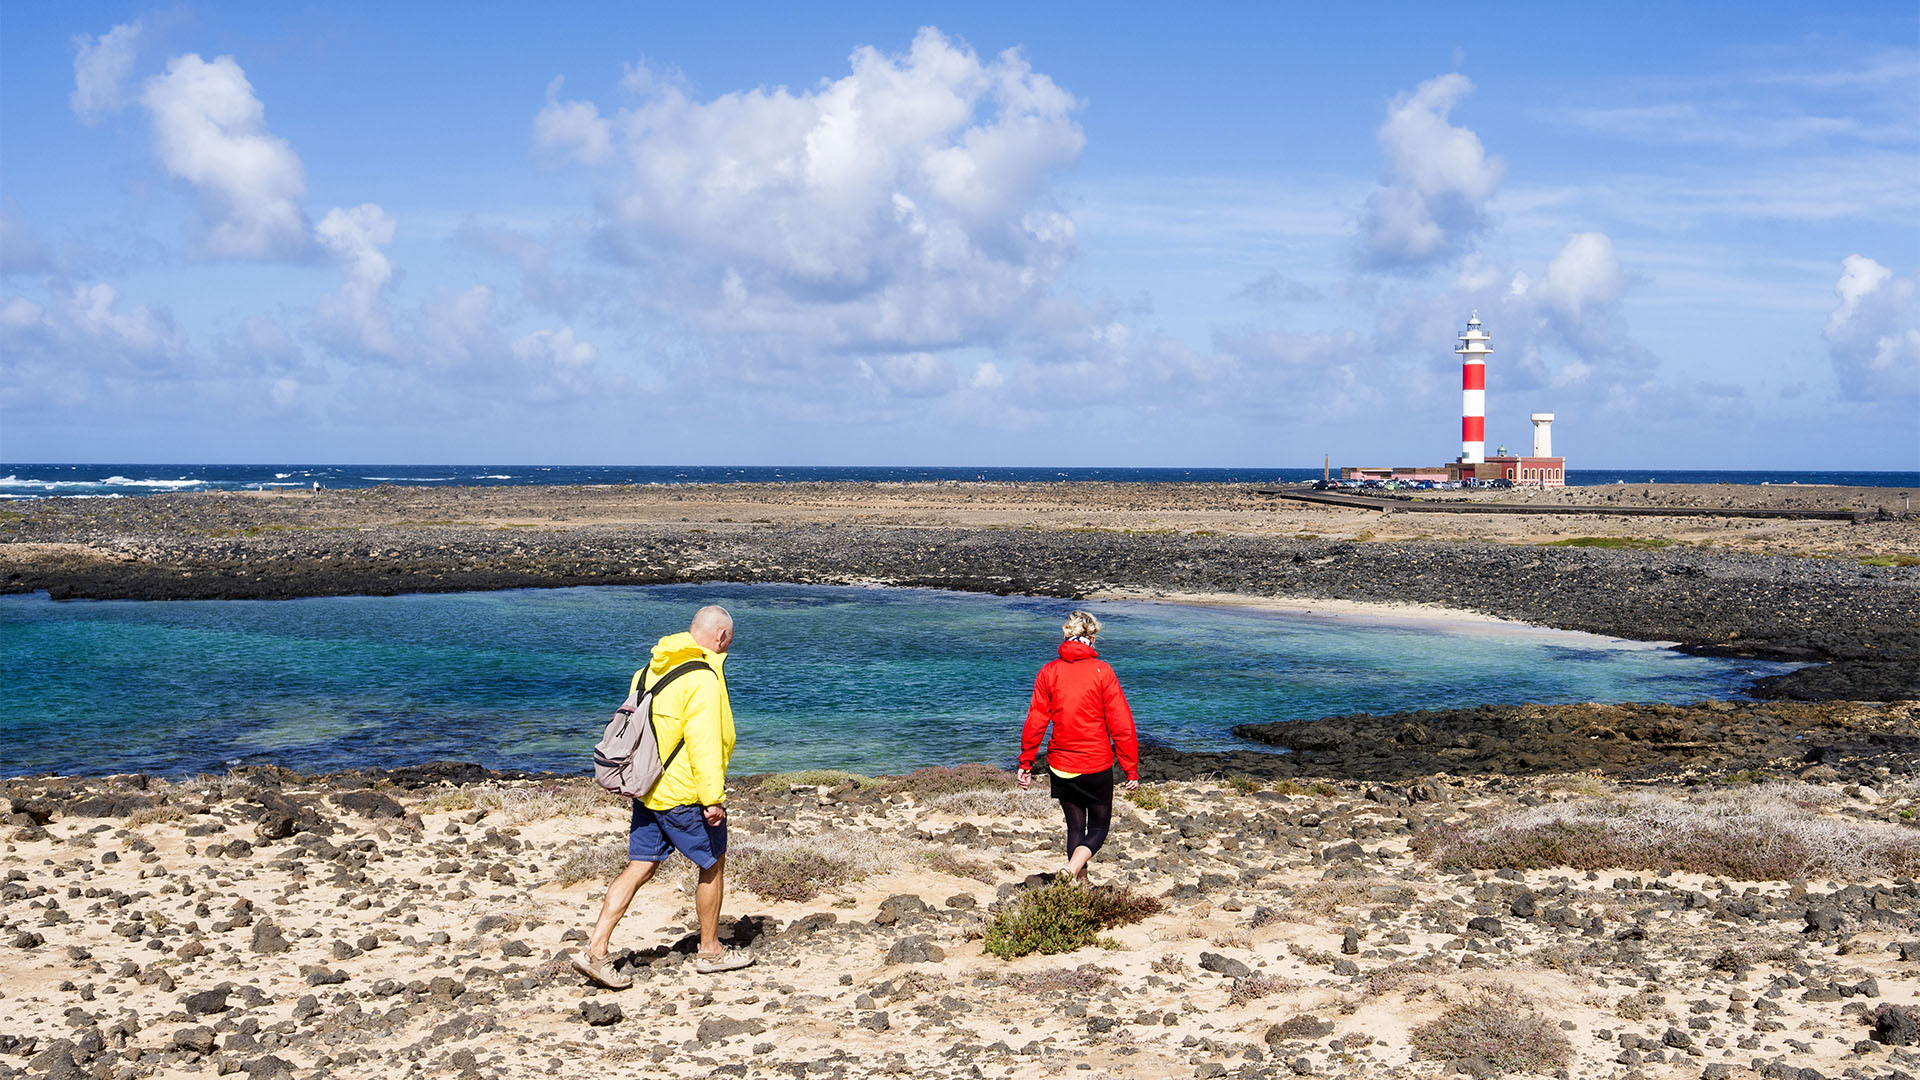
<point x="693" y="707"/>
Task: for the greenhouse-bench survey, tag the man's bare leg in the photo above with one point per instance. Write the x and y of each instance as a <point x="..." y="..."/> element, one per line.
<point x="706" y="901"/>
<point x="619" y="896"/>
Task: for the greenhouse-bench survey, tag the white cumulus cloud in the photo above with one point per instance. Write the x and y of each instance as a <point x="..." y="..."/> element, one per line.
<point x="1438" y="179"/>
<point x="571" y="129"/>
<point x="1584" y="278"/>
<point x="898" y="209"/>
<point x="101" y="66"/>
<point x="357" y="238"/>
<point x="912" y="375"/>
<point x="210" y="130"/>
<point x="65" y="353"/>
<point x="1873" y="335"/>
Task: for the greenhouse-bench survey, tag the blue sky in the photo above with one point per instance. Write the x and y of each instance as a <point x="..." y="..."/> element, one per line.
<point x="984" y="234"/>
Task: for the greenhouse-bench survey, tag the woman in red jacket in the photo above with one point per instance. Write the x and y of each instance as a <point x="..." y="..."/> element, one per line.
<point x="1079" y="697"/>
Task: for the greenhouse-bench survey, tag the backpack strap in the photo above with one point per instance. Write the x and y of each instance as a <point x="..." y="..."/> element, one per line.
<point x="653" y="692"/>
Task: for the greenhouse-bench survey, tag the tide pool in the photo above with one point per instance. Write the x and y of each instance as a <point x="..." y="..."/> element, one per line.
<point x="872" y="680"/>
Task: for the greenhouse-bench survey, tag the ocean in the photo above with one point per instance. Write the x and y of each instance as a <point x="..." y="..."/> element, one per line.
<point x="873" y="680"/>
<point x="29" y="481"/>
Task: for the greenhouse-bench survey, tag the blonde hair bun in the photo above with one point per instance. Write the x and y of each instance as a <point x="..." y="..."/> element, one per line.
<point x="1081" y="624"/>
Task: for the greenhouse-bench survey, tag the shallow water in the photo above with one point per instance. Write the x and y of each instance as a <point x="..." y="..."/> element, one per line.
<point x="873" y="680"/>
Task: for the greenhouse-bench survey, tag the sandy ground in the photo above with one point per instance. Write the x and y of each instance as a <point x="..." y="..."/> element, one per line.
<point x="1299" y="935"/>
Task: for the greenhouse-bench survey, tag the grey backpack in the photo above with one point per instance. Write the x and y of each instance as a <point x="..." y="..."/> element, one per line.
<point x="626" y="760"/>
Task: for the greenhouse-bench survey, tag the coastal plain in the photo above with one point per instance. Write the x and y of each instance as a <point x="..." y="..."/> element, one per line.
<point x="1450" y="891"/>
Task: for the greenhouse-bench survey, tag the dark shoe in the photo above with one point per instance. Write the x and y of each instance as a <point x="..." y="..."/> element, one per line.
<point x="599" y="970"/>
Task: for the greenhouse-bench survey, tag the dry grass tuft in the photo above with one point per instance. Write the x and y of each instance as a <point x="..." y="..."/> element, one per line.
<point x="1639" y="1006"/>
<point x="1498" y="1029"/>
<point x="799" y="868"/>
<point x="994" y="803"/>
<point x="164" y="814"/>
<point x="1081" y="980"/>
<point x="924" y="784"/>
<point x="1409" y="977"/>
<point x="1325" y="899"/>
<point x="1772" y="833"/>
<point x="948" y="863"/>
<point x="1255" y="987"/>
<point x="521" y="803"/>
<point x="780" y="783"/>
<point x="587" y="861"/>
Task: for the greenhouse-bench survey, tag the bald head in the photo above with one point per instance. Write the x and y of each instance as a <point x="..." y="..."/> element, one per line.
<point x="712" y="628"/>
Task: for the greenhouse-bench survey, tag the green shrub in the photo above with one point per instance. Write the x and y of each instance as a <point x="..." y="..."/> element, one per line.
<point x="1063" y="917"/>
<point x="1244" y="784"/>
<point x="1146" y="798"/>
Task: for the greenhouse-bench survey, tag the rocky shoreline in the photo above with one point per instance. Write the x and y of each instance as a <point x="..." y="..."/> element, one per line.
<point x="1861" y="621"/>
<point x="416" y="922"/>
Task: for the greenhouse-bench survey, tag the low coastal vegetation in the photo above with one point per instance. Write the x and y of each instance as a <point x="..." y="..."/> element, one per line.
<point x="1891" y="560"/>
<point x="521" y="804"/>
<point x="924" y="784"/>
<point x="801" y="868"/>
<point x="1496" y="1030"/>
<point x="1753" y="833"/>
<point x="1064" y="916"/>
<point x="1635" y="543"/>
<point x="586" y="861"/>
<point x="996" y="802"/>
<point x="1079" y="981"/>
<point x="782" y="783"/>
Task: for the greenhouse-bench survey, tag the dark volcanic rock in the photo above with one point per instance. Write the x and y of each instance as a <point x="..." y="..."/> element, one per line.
<point x="206" y="1001"/>
<point x="268" y="939"/>
<point x="600" y="1014"/>
<point x="1224" y="965"/>
<point x="1895" y="1025"/>
<point x="1632" y="741"/>
<point x="370" y="804"/>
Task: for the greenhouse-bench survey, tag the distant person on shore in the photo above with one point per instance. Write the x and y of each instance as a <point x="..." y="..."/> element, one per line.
<point x="1078" y="696"/>
<point x="686" y="811"/>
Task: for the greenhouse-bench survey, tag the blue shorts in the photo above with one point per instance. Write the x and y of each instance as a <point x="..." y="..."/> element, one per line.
<point x="655" y="834"/>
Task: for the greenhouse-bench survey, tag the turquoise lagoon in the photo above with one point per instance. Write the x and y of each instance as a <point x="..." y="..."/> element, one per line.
<point x="873" y="680"/>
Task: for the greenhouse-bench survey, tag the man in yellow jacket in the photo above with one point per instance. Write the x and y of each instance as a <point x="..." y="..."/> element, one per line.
<point x="686" y="811"/>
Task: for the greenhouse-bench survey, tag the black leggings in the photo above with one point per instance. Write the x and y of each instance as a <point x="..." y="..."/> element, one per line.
<point x="1087" y="826"/>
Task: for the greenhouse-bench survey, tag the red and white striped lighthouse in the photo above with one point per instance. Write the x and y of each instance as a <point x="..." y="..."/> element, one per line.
<point x="1473" y="350"/>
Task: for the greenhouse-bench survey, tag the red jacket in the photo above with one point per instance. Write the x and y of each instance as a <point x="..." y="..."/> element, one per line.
<point x="1080" y="697"/>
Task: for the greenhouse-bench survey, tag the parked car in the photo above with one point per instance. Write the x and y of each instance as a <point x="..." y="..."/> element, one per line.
<point x="1501" y="483"/>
